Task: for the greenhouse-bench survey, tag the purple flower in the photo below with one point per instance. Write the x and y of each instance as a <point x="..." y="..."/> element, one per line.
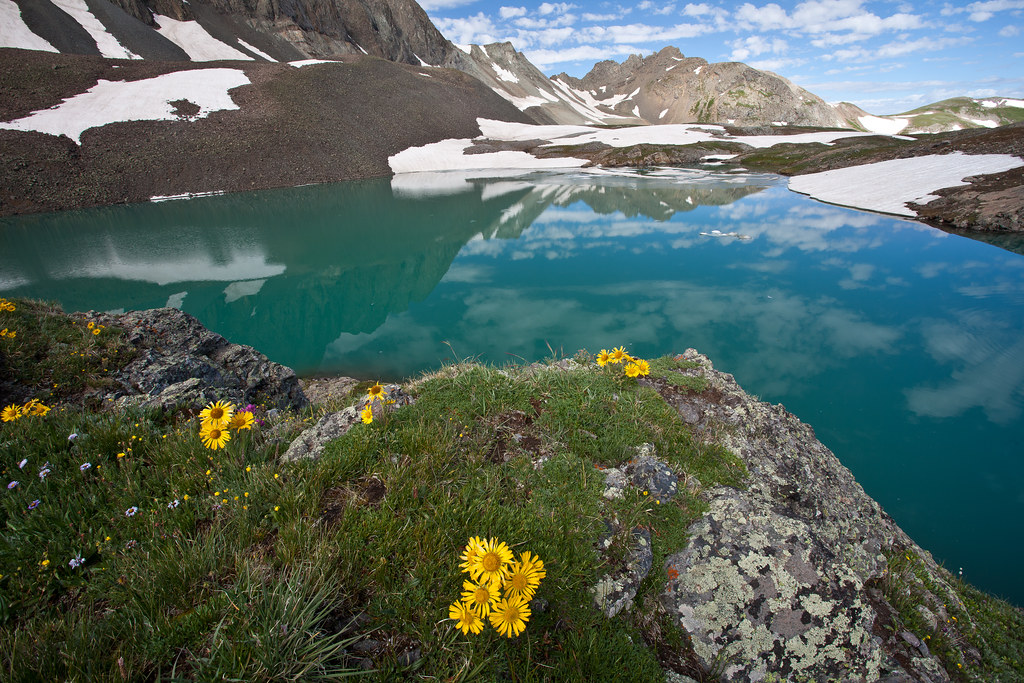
<point x="43" y="472"/>
<point x="130" y="512"/>
<point x="21" y="465"/>
<point x="34" y="504"/>
<point x="84" y="466"/>
<point x="76" y="561"/>
<point x="12" y="485"/>
<point x="72" y="436"/>
<point x="173" y="504"/>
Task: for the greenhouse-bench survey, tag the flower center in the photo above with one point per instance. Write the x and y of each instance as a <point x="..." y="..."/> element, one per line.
<point x="214" y="434"/>
<point x="512" y="613"/>
<point x="519" y="581"/>
<point x="482" y="596"/>
<point x="217" y="413"/>
<point x="491" y="562"/>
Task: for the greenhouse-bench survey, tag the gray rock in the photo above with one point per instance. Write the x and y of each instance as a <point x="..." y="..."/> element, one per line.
<point x="647" y="473"/>
<point x="777" y="577"/>
<point x="180" y="362"/>
<point x="615" y="591"/>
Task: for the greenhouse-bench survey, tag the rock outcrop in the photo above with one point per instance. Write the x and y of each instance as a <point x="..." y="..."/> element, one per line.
<point x="783" y="577"/>
<point x="180" y="362"/>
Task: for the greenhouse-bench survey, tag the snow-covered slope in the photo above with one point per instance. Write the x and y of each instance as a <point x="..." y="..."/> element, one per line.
<point x="958" y="113"/>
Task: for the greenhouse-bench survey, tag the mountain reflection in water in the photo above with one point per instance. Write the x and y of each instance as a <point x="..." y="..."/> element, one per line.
<point x="899" y="343"/>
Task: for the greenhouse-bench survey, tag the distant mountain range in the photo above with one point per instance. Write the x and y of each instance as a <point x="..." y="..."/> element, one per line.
<point x="666" y="87"/>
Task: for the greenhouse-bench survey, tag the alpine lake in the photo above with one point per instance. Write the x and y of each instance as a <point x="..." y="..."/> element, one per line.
<point x="902" y="345"/>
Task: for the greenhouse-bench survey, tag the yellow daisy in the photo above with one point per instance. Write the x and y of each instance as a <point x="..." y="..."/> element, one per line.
<point x="36" y="409"/>
<point x="509" y="616"/>
<point x="603" y="358"/>
<point x="618" y="355"/>
<point x="376" y="392"/>
<point x="632" y="369"/>
<point x="367" y="414"/>
<point x="491" y="562"/>
<point x="241" y="420"/>
<point x="645" y="367"/>
<point x="524" y="576"/>
<point x="469" y="554"/>
<point x="480" y="596"/>
<point x="466" y="620"/>
<point x="215" y="436"/>
<point x="10" y="413"/>
<point x="217" y="414"/>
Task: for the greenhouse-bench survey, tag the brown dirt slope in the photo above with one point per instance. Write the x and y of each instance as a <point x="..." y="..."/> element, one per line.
<point x="295" y="126"/>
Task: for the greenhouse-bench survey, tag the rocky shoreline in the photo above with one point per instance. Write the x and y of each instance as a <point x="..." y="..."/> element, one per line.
<point x="797" y="575"/>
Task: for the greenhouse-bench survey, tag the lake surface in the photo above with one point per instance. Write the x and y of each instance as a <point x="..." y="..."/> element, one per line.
<point x="902" y="345"/>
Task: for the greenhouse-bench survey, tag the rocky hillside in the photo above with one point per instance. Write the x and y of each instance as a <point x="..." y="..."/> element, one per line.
<point x="668" y="87"/>
<point x="170" y="128"/>
<point x="958" y="113"/>
<point x="396" y="30"/>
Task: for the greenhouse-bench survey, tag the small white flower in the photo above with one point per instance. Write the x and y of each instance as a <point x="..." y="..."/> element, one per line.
<point x="76" y="561"/>
<point x="21" y="465"/>
<point x="130" y="512"/>
<point x="43" y="472"/>
<point x="12" y="485"/>
<point x="84" y="466"/>
<point x="72" y="436"/>
<point x="173" y="504"/>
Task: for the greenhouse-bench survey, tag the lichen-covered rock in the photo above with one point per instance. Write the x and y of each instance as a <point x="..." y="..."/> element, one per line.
<point x="615" y="591"/>
<point x="774" y="581"/>
<point x="311" y="442"/>
<point x="179" y="361"/>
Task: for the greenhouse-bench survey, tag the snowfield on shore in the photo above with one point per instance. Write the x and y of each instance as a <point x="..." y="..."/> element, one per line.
<point x="887" y="186"/>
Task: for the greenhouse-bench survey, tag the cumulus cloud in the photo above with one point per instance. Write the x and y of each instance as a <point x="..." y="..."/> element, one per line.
<point x="478" y="29"/>
<point x="512" y="12"/>
<point x="756" y="45"/>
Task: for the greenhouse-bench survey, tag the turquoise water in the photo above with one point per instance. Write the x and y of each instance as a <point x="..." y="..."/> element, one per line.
<point x="902" y="345"/>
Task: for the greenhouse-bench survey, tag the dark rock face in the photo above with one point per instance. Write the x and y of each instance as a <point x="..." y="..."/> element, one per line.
<point x="181" y="362"/>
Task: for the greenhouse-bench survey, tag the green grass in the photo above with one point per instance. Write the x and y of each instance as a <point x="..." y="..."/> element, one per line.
<point x="233" y="565"/>
<point x="230" y="564"/>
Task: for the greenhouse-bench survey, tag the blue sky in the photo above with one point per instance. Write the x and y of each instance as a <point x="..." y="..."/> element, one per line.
<point x="887" y="57"/>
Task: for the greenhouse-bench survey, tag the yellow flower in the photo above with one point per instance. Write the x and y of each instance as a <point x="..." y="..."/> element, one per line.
<point x="367" y="414"/>
<point x="618" y="355"/>
<point x="214" y="436"/>
<point x="217" y="414"/>
<point x="376" y="392"/>
<point x="479" y="597"/>
<point x="241" y="420"/>
<point x="632" y="369"/>
<point x="45" y="562"/>
<point x="91" y="325"/>
<point x="11" y="413"/>
<point x="96" y="331"/>
<point x="524" y="576"/>
<point x="644" y="366"/>
<point x="466" y="620"/>
<point x="509" y="616"/>
<point x="603" y="358"/>
<point x="468" y="555"/>
<point x="491" y="561"/>
<point x="5" y="333"/>
<point x="34" y="407"/>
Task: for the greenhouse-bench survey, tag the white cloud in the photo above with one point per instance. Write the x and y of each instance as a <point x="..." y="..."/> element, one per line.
<point x="1009" y="31"/>
<point x="545" y="58"/>
<point x="512" y="12"/>
<point x="756" y="45"/>
<point x="982" y="11"/>
<point x="478" y="29"/>
<point x="816" y="17"/>
<point x="555" y="8"/>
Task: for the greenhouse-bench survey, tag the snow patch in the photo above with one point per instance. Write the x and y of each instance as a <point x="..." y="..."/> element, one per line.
<point x="184" y="195"/>
<point x="422" y="63"/>
<point x="258" y="51"/>
<point x="504" y="74"/>
<point x="145" y="100"/>
<point x="671" y="67"/>
<point x="877" y="124"/>
<point x="105" y="41"/>
<point x="14" y="32"/>
<point x="696" y="72"/>
<point x="662" y="114"/>
<point x="308" y="62"/>
<point x="887" y="186"/>
<point x="195" y="41"/>
<point x="984" y="123"/>
<point x="448" y="155"/>
<point x="636" y="111"/>
<point x="633" y="94"/>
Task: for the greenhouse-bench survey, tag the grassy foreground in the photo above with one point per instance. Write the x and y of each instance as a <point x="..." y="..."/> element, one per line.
<point x="131" y="552"/>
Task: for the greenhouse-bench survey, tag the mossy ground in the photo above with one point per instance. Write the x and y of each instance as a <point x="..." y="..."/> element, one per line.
<point x="142" y="555"/>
